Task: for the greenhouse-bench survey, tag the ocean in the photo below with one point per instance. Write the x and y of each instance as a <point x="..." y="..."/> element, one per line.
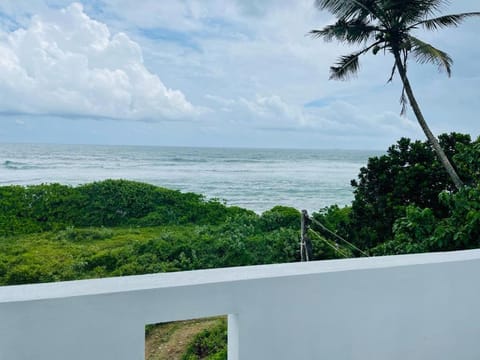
<point x="256" y="179"/>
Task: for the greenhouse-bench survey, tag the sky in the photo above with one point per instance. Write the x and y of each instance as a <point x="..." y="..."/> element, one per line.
<point x="221" y="73"/>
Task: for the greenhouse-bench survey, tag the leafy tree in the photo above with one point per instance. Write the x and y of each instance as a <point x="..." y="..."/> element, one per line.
<point x="388" y="25"/>
<point x="335" y="218"/>
<point x="461" y="228"/>
<point x="408" y="174"/>
<point x="468" y="161"/>
<point x="419" y="230"/>
<point x="411" y="233"/>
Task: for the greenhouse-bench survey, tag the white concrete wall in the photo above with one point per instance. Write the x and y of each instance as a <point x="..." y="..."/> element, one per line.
<point x="402" y="307"/>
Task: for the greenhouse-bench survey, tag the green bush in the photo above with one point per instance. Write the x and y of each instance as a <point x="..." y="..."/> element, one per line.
<point x="106" y="203"/>
<point x="210" y="344"/>
<point x="280" y="216"/>
<point x="419" y="230"/>
<point x="74" y="234"/>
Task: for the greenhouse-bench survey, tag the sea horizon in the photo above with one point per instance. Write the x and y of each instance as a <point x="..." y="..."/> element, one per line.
<point x="254" y="178"/>
<point x="196" y="146"/>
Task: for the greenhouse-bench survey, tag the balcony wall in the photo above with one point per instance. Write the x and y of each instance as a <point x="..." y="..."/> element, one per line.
<point x="386" y="308"/>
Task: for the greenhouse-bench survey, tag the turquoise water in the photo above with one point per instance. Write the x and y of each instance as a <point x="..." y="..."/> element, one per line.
<point x="256" y="179"/>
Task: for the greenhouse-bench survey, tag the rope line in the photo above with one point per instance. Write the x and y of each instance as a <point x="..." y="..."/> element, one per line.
<point x="337" y="236"/>
<point x="335" y="248"/>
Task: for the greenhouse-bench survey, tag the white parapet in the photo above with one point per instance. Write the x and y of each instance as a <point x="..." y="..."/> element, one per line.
<point x="415" y="307"/>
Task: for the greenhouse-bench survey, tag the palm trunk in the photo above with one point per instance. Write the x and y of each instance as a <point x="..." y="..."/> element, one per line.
<point x="421" y="120"/>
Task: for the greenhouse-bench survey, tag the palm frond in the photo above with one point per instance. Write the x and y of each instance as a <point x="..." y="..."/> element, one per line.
<point x="392" y="73"/>
<point x="423" y="7"/>
<point x="336" y="7"/>
<point x="349" y="9"/>
<point x="426" y="53"/>
<point x="410" y="11"/>
<point x="348" y="65"/>
<point x="368" y="9"/>
<point x="445" y="21"/>
<point x="430" y="7"/>
<point x="350" y="31"/>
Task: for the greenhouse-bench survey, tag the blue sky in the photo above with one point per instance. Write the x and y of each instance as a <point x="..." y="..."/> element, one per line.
<point x="236" y="73"/>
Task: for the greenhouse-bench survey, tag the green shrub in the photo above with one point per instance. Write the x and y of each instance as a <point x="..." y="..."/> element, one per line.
<point x="280" y="216"/>
<point x="210" y="344"/>
<point x="106" y="203"/>
<point x="74" y="234"/>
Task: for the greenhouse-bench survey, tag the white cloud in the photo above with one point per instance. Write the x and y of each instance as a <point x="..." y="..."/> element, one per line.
<point x="338" y="118"/>
<point x="271" y="54"/>
<point x="65" y="63"/>
<point x="248" y="61"/>
<point x="274" y="110"/>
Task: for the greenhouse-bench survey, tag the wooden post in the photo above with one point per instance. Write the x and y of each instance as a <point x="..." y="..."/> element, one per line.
<point x="305" y="242"/>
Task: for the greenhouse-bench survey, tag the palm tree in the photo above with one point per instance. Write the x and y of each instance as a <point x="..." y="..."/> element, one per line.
<point x="387" y="25"/>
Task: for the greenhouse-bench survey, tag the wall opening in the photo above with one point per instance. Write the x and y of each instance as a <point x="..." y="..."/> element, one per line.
<point x="188" y="339"/>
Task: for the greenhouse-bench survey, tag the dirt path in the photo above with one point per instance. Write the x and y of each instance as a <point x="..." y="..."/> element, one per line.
<point x="169" y="341"/>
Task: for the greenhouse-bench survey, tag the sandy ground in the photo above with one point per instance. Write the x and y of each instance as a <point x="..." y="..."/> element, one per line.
<point x="169" y="341"/>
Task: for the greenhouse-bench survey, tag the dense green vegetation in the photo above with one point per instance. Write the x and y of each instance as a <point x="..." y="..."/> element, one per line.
<point x="403" y="203"/>
<point x="56" y="232"/>
<point x="108" y="203"/>
<point x="97" y="252"/>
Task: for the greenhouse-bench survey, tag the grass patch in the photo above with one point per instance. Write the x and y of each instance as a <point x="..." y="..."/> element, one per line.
<point x="172" y="341"/>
